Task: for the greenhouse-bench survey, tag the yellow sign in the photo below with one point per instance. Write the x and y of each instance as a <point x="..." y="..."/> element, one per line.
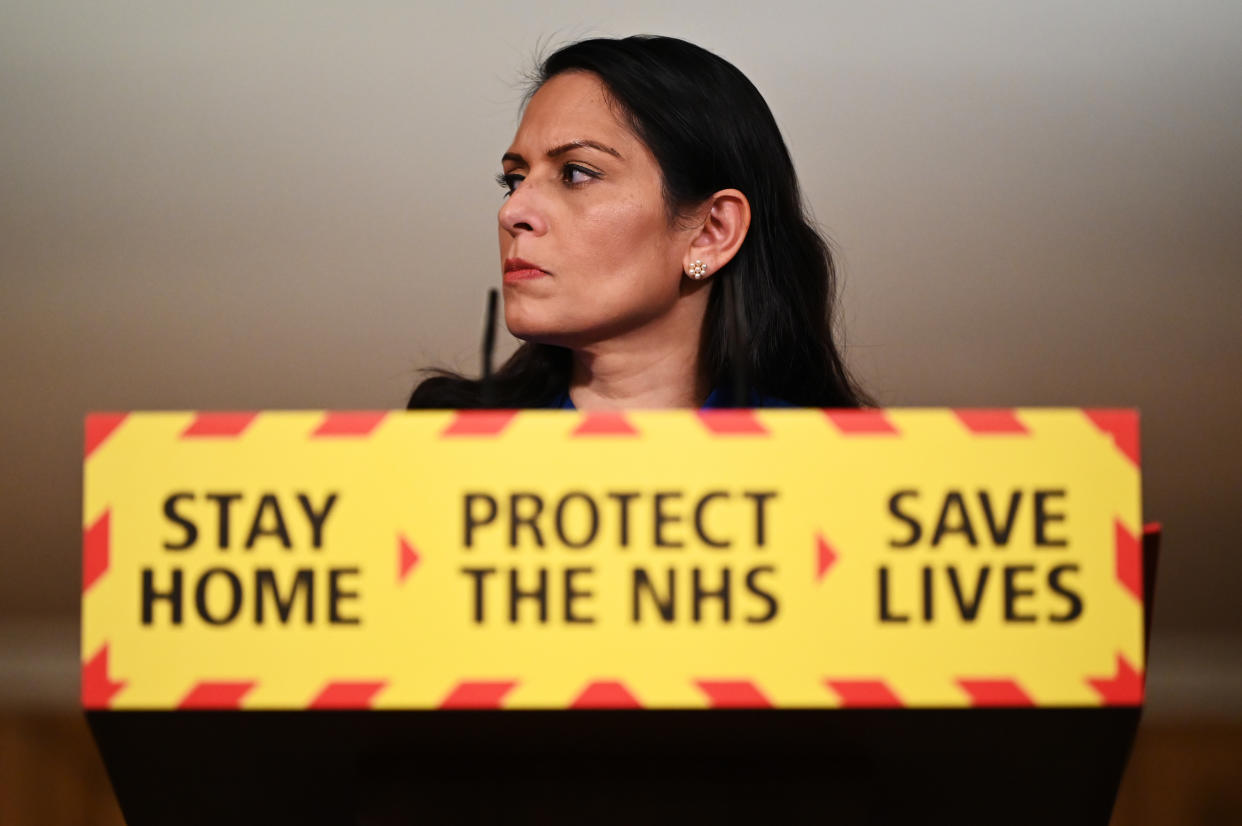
<point x="662" y="559"/>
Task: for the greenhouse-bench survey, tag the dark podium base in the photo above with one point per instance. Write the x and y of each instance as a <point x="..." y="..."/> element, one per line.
<point x="634" y="767"/>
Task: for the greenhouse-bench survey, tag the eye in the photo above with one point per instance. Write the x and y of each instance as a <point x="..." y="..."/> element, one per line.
<point x="508" y="181"/>
<point x="575" y="175"/>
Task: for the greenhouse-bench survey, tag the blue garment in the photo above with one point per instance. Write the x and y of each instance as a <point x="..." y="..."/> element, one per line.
<point x="715" y="400"/>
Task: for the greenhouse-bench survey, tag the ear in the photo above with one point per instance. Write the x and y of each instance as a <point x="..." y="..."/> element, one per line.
<point x="726" y="219"/>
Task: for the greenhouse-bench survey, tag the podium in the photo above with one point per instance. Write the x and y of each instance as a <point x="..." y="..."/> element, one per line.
<point x="961" y="766"/>
<point x="189" y="736"/>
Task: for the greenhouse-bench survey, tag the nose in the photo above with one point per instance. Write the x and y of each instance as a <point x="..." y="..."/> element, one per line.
<point x="523" y="211"/>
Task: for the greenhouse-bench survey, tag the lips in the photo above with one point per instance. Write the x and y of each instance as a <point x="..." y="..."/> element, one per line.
<point x="519" y="269"/>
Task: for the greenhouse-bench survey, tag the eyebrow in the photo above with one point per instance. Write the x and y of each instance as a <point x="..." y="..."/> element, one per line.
<point x="565" y="147"/>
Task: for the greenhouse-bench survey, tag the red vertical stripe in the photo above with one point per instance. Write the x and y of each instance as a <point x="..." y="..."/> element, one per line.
<point x="733" y="694"/>
<point x="605" y="694"/>
<point x="1123" y="426"/>
<point x="220" y="425"/>
<point x="347" y="694"/>
<point x="862" y="422"/>
<point x="98" y="688"/>
<point x="479" y="423"/>
<point x="993" y="421"/>
<point x="864" y="693"/>
<point x="996" y="693"/>
<point x="605" y="423"/>
<point x="1129" y="564"/>
<point x="95" y="550"/>
<point x="210" y="694"/>
<point x="739" y="422"/>
<point x="478" y="694"/>
<point x="99" y="426"/>
<point x="1124" y="688"/>
<point x="349" y="423"/>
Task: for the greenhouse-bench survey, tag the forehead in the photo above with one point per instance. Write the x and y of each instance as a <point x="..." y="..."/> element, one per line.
<point x="572" y="106"/>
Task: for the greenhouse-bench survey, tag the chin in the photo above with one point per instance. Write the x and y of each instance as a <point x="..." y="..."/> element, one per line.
<point x="550" y="321"/>
<point x="530" y="326"/>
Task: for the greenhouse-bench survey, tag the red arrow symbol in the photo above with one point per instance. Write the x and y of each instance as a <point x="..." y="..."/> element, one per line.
<point x="825" y="556"/>
<point x="407" y="558"/>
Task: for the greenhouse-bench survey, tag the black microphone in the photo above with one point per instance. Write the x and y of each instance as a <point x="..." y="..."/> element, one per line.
<point x="487" y="387"/>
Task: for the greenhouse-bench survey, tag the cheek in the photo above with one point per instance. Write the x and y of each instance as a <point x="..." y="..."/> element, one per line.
<point x="627" y="252"/>
<point x="617" y="264"/>
<point x="506" y="241"/>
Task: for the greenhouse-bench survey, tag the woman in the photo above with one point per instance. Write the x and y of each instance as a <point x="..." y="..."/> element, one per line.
<point x="654" y="246"/>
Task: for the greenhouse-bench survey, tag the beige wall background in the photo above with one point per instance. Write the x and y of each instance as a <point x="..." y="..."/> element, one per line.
<point x="290" y="205"/>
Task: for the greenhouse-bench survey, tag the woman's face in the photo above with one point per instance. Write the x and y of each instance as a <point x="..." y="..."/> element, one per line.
<point x="586" y="247"/>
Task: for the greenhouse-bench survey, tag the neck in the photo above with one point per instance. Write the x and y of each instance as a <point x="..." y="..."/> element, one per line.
<point x="656" y="366"/>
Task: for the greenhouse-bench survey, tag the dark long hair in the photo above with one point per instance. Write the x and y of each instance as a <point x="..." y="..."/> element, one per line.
<point x="770" y="313"/>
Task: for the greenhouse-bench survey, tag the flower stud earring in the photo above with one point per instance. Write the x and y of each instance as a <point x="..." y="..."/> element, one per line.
<point x="697" y="270"/>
